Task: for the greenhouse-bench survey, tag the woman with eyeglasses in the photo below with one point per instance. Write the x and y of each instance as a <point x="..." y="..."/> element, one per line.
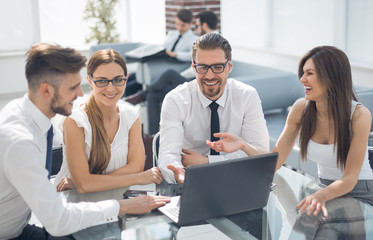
<point x="103" y="147"/>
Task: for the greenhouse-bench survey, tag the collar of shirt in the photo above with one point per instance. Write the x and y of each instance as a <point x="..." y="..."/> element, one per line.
<point x="40" y="120"/>
<point x="206" y="102"/>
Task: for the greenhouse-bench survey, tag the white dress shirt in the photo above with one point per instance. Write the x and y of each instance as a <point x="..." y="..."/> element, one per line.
<point x="24" y="185"/>
<point x="185" y="122"/>
<point x="183" y="48"/>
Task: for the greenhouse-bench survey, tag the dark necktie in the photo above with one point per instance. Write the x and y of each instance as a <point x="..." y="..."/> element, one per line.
<point x="215" y="128"/>
<point x="174" y="46"/>
<point x="48" y="163"/>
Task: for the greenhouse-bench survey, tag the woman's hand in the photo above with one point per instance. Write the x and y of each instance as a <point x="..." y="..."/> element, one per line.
<point x="152" y="175"/>
<point x="65" y="184"/>
<point x="228" y="143"/>
<point x="314" y="204"/>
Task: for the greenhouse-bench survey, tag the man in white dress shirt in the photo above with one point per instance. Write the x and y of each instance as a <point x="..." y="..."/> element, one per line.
<point x="53" y="75"/>
<point x="185" y="117"/>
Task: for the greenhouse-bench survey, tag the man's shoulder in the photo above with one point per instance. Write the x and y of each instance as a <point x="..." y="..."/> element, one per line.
<point x="183" y="91"/>
<point x="240" y="86"/>
<point x="15" y="132"/>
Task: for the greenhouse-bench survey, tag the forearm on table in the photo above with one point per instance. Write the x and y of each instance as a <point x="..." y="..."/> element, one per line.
<point x="338" y="188"/>
<point x="97" y="183"/>
<point x="128" y="169"/>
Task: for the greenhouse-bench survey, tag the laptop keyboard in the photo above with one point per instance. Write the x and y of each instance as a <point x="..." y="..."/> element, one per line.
<point x="173" y="211"/>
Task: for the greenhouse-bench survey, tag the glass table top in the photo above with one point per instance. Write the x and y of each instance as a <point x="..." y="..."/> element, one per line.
<point x="348" y="218"/>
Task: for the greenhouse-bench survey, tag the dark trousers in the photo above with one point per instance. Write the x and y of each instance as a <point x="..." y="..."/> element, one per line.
<point x="132" y="86"/>
<point x="156" y="93"/>
<point x="32" y="232"/>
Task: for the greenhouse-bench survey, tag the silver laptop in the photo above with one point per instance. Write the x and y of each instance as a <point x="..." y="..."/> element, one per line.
<point x="223" y="188"/>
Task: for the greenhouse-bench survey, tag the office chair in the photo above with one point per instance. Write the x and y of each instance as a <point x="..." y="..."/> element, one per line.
<point x="56" y="160"/>
<point x="155" y="148"/>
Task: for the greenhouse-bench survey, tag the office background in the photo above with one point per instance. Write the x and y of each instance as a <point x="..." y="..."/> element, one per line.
<point x="273" y="33"/>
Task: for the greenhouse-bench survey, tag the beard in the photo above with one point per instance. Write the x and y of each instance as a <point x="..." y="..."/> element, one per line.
<point x="58" y="107"/>
<point x="211" y="93"/>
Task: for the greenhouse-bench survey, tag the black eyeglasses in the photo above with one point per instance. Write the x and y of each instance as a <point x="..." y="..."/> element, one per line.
<point x="117" y="82"/>
<point x="215" y="68"/>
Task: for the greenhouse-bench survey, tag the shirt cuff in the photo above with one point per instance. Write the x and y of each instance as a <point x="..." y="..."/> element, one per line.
<point x="215" y="158"/>
<point x="110" y="209"/>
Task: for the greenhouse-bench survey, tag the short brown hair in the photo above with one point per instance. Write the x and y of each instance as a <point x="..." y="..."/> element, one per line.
<point x="185" y="15"/>
<point x="47" y="62"/>
<point x="211" y="41"/>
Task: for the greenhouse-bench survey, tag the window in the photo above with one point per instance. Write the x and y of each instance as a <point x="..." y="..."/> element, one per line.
<point x="360" y="31"/>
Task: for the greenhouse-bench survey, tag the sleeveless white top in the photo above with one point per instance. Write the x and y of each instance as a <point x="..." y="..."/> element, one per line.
<point x="119" y="147"/>
<point x="326" y="159"/>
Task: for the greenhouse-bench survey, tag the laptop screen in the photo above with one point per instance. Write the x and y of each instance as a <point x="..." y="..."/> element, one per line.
<point x="225" y="188"/>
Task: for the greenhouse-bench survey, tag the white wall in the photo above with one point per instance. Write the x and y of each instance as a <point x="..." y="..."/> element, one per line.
<point x="12" y="69"/>
<point x="139" y="21"/>
<point x="274" y="33"/>
<point x="277" y="33"/>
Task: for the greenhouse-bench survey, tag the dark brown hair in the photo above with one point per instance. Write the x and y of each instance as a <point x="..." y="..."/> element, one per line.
<point x="211" y="41"/>
<point x="46" y="63"/>
<point x="185" y="15"/>
<point x="334" y="72"/>
<point x="209" y="18"/>
<point x="100" y="154"/>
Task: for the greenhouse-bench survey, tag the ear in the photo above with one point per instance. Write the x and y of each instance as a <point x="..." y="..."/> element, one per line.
<point x="90" y="81"/>
<point x="230" y="65"/>
<point x="205" y="26"/>
<point x="46" y="90"/>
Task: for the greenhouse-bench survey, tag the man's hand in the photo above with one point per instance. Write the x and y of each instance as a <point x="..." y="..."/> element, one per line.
<point x="141" y="204"/>
<point x="179" y="173"/>
<point x="171" y="54"/>
<point x="190" y="158"/>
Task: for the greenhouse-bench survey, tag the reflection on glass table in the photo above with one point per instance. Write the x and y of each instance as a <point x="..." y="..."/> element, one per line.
<point x="348" y="218"/>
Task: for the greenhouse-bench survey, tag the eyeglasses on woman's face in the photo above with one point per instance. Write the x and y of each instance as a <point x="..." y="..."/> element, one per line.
<point x="117" y="82"/>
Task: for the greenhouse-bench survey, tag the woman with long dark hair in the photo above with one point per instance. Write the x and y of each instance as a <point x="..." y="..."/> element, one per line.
<point x="333" y="130"/>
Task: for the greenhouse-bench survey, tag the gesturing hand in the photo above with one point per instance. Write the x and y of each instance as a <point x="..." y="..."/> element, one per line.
<point x="179" y="173"/>
<point x="228" y="143"/>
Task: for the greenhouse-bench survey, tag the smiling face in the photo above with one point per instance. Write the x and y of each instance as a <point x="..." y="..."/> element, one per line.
<point x="314" y="90"/>
<point x="211" y="84"/>
<point x="110" y="94"/>
<point x="69" y="90"/>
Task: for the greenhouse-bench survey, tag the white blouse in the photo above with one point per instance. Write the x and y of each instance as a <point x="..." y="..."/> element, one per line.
<point x="119" y="146"/>
<point x="326" y="159"/>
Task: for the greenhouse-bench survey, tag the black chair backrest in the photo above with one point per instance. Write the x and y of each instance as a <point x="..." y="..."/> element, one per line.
<point x="56" y="160"/>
